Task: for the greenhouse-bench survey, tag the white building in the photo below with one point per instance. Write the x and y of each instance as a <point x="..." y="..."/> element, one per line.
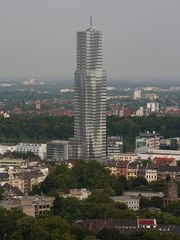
<point x="80" y="194"/>
<point x="37" y="149"/>
<point x="140" y="112"/>
<point x="151" y="174"/>
<point x="7" y="147"/>
<point x="137" y="94"/>
<point x="153" y="107"/>
<point x="131" y="202"/>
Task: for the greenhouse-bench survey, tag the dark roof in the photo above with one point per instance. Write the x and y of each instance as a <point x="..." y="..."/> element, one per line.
<point x="4" y="176"/>
<point x="169" y="168"/>
<point x="149" y="134"/>
<point x="9" y="190"/>
<point x="133" y="165"/>
<point x="29" y="175"/>
<point x="121" y="164"/>
<point x="98" y="224"/>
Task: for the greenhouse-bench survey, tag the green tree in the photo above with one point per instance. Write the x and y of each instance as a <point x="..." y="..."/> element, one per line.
<point x="50" y="228"/>
<point x="113" y="234"/>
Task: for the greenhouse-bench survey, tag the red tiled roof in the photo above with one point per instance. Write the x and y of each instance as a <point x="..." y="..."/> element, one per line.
<point x="146" y="221"/>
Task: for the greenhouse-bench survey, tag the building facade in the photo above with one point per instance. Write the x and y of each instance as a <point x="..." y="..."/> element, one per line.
<point x="148" y="139"/>
<point x="114" y="147"/>
<point x="37" y="149"/>
<point x="57" y="150"/>
<point x="131" y="202"/>
<point x="89" y="142"/>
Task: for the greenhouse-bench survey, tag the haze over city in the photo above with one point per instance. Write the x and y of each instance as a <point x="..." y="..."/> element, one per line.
<point x="141" y="39"/>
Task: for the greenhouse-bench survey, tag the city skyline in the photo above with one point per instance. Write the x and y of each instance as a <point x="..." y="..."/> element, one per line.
<point x="141" y="38"/>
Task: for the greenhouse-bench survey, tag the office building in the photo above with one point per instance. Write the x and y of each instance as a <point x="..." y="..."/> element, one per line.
<point x="57" y="150"/>
<point x="114" y="147"/>
<point x="89" y="142"/>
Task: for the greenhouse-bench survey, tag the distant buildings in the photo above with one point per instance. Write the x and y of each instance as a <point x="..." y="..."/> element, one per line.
<point x="153" y="107"/>
<point x="140" y="112"/>
<point x="38" y="104"/>
<point x="170" y="144"/>
<point x="151" y="96"/>
<point x="125" y="112"/>
<point x="66" y="90"/>
<point x="57" y="150"/>
<point x="137" y="94"/>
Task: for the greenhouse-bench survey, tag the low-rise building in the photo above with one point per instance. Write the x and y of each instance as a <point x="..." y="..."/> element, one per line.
<point x="153" y="107"/>
<point x="150" y="173"/>
<point x="150" y="153"/>
<point x="146" y="194"/>
<point x="170" y="143"/>
<point x="30" y="205"/>
<point x="125" y="225"/>
<point x="118" y="168"/>
<point x="132" y="171"/>
<point x="164" y="161"/>
<point x="9" y="162"/>
<point x="151" y="140"/>
<point x="131" y="202"/>
<point x="169" y="171"/>
<point x="6" y="148"/>
<point x="37" y="149"/>
<point x="80" y="194"/>
<point x="130" y="157"/>
<point x="137" y="94"/>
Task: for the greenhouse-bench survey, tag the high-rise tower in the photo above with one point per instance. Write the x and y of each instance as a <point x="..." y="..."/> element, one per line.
<point x="89" y="97"/>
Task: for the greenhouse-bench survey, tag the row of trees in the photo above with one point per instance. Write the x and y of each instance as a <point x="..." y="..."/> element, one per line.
<point x="42" y="128"/>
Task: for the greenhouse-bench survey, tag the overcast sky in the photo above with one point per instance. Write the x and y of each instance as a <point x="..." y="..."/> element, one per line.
<point x="141" y="38"/>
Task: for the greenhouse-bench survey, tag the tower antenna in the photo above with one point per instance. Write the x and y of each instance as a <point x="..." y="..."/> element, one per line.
<point x="91" y="22"/>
